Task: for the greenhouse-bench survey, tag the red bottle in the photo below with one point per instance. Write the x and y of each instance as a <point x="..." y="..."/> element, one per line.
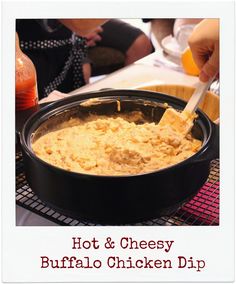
<point x="26" y="80"/>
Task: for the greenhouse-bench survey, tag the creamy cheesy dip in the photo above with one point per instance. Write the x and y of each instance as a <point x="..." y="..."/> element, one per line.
<point x="114" y="146"/>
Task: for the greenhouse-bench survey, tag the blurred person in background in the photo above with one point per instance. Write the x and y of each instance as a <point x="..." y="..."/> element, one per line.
<point x="58" y="50"/>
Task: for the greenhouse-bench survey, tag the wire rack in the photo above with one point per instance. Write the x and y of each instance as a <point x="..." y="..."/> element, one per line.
<point x="203" y="209"/>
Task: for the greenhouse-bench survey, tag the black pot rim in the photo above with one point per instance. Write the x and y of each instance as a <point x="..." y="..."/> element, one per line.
<point x="96" y="94"/>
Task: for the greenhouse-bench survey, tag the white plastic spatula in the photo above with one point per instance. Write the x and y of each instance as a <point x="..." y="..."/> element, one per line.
<point x="182" y="122"/>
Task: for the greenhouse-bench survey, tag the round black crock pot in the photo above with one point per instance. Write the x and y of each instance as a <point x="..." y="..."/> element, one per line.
<point x="116" y="199"/>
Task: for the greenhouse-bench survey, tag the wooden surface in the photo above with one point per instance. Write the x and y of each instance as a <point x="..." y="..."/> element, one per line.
<point x="210" y="104"/>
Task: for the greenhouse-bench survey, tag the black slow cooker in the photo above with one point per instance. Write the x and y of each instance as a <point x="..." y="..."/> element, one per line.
<point x="116" y="199"/>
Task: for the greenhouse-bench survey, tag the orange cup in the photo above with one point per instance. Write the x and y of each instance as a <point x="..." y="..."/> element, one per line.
<point x="188" y="63"/>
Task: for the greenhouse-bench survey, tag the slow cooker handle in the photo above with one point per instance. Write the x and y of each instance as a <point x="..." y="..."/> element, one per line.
<point x="21" y="118"/>
<point x="212" y="152"/>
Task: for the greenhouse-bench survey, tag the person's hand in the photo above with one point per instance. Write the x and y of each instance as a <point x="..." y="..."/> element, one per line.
<point x="93" y="37"/>
<point x="204" y="44"/>
<point x="53" y="96"/>
<point x="82" y="27"/>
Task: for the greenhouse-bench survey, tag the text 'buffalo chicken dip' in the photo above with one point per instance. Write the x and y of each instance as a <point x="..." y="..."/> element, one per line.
<point x="114" y="146"/>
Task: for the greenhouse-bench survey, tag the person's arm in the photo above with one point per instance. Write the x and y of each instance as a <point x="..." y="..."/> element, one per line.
<point x="94" y="36"/>
<point x="204" y="44"/>
<point x="82" y="27"/>
<point x="161" y="28"/>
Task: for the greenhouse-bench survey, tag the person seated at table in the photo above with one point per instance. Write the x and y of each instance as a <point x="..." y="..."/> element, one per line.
<point x="57" y="49"/>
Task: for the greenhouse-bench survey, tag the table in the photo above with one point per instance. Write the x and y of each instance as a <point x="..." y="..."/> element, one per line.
<point x="143" y="72"/>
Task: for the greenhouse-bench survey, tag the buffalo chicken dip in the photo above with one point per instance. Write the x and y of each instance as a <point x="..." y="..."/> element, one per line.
<point x="114" y="146"/>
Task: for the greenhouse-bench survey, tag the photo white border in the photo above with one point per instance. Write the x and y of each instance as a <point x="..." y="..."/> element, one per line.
<point x="216" y="244"/>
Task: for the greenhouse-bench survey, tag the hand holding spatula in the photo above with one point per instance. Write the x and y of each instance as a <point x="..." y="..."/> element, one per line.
<point x="204" y="44"/>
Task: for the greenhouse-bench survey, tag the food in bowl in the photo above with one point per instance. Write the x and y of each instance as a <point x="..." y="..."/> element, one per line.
<point x="114" y="146"/>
